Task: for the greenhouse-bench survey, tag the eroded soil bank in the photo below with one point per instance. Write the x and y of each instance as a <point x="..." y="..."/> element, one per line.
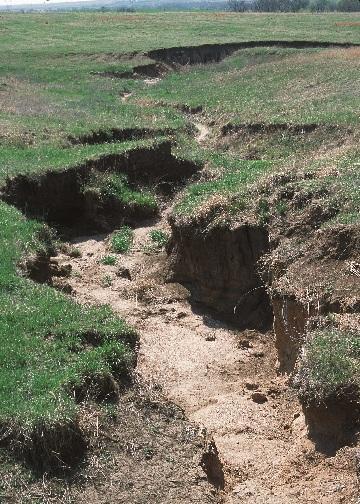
<point x="58" y="196"/>
<point x="225" y="379"/>
<point x="173" y="58"/>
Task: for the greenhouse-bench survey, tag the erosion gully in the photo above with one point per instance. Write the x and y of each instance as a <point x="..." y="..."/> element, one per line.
<point x="223" y="378"/>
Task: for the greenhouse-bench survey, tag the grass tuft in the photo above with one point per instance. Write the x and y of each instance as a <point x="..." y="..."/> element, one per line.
<point x="159" y="238"/>
<point x="331" y="363"/>
<point x="122" y="240"/>
<point x="108" y="260"/>
<point x="115" y="186"/>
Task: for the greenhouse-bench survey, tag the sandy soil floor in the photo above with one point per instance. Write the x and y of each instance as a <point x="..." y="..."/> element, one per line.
<point x="224" y="379"/>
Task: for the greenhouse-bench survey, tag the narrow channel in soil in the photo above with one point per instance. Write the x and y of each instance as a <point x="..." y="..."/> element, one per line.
<point x="223" y="378"/>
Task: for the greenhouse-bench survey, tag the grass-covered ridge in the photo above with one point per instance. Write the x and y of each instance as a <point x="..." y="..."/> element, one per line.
<point x="234" y="181"/>
<point x="271" y="85"/>
<point x="32" y="160"/>
<point x="51" y="347"/>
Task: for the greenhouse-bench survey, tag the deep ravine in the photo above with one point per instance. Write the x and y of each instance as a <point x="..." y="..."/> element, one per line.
<point x="224" y="379"/>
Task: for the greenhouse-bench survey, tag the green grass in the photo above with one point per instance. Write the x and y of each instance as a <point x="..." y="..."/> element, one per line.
<point x="270" y="85"/>
<point x="50" y="91"/>
<point x="49" y="88"/>
<point x="159" y="238"/>
<point x="122" y="239"/>
<point x="32" y="160"/>
<point x="338" y="188"/>
<point x="43" y="338"/>
<point x="107" y="281"/>
<point x="78" y="33"/>
<point x="229" y="183"/>
<point x="115" y="186"/>
<point x="331" y="363"/>
<point x="109" y="260"/>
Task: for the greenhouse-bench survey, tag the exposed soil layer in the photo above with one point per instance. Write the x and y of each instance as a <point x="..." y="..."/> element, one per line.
<point x="320" y="279"/>
<point x="290" y="319"/>
<point x="219" y="268"/>
<point x="209" y="53"/>
<point x="171" y="58"/>
<point x="315" y="280"/>
<point x="334" y="422"/>
<point x="117" y="135"/>
<point x="57" y="197"/>
<point x="151" y="70"/>
<point x="273" y="141"/>
<point x="254" y="128"/>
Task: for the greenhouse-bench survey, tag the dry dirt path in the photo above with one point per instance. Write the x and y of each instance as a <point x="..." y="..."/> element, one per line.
<point x="224" y="379"/>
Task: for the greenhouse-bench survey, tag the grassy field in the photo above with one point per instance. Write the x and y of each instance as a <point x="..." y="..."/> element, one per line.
<point x="51" y="92"/>
<point x="270" y="85"/>
<point x="83" y="33"/>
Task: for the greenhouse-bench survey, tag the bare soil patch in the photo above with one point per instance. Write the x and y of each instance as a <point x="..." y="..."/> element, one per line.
<point x="118" y="135"/>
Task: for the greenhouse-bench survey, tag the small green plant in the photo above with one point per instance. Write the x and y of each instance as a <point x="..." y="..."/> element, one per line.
<point x="75" y="252"/>
<point x="110" y="410"/>
<point x="159" y="238"/>
<point x="281" y="208"/>
<point x="107" y="281"/>
<point x="330" y="364"/>
<point x="263" y="211"/>
<point x="108" y="260"/>
<point x="121" y="240"/>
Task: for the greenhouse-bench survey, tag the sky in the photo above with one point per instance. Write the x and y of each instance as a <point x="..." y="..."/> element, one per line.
<point x="31" y="2"/>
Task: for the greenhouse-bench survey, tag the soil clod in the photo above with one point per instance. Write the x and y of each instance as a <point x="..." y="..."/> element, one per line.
<point x="259" y="397"/>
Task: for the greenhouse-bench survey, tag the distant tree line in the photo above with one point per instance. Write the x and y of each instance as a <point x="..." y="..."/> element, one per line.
<point x="293" y="5"/>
